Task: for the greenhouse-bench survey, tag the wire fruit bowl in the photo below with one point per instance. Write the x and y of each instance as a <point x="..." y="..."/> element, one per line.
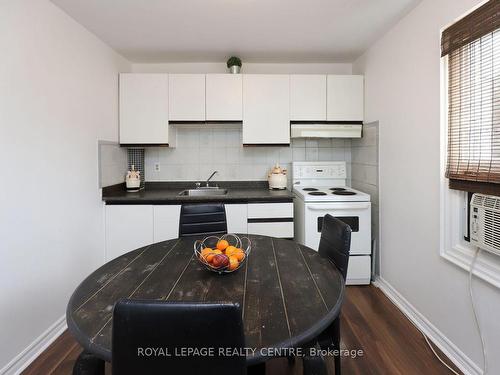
<point x="223" y="254"/>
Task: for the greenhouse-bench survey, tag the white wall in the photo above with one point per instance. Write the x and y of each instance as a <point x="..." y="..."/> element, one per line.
<point x="58" y="96"/>
<point x="402" y="78"/>
<point x="267" y="68"/>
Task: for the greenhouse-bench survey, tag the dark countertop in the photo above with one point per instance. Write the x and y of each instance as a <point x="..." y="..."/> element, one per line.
<point x="168" y="193"/>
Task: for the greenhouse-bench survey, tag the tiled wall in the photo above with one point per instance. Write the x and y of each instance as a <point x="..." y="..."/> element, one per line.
<point x="201" y="149"/>
<point x="365" y="177"/>
<point x="112" y="163"/>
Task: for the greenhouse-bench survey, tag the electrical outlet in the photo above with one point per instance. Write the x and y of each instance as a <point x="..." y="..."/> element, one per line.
<point x="157" y="167"/>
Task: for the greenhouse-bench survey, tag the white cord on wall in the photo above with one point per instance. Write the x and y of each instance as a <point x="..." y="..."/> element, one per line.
<point x="473" y="303"/>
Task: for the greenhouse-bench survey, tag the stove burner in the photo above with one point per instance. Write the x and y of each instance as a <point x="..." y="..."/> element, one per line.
<point x="317" y="193"/>
<point x="344" y="192"/>
<point x="310" y="189"/>
<point x="337" y="189"/>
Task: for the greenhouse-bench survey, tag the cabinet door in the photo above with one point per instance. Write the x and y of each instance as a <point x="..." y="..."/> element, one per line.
<point x="266" y="109"/>
<point x="236" y="217"/>
<point x="144" y="108"/>
<point x="308" y="97"/>
<point x="345" y="98"/>
<point x="224" y="101"/>
<point x="128" y="227"/>
<point x="271" y="219"/>
<point x="166" y="222"/>
<point x="186" y="97"/>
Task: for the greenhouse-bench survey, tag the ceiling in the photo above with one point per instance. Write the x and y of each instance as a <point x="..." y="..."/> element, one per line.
<point x="255" y="30"/>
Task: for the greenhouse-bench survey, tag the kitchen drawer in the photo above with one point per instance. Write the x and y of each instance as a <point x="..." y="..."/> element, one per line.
<point x="274" y="229"/>
<point x="270" y="210"/>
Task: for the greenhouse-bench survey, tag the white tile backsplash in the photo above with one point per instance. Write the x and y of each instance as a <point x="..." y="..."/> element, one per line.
<point x="201" y="149"/>
<point x="364" y="170"/>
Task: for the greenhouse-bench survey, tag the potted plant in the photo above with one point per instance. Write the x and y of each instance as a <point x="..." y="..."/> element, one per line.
<point x="234" y="64"/>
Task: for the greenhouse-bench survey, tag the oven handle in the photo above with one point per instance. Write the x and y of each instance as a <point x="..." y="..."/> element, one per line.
<point x="340" y="206"/>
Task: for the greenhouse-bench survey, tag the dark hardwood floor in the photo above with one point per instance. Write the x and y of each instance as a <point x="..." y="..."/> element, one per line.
<point x="370" y="322"/>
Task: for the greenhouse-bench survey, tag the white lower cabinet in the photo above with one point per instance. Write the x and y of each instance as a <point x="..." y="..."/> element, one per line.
<point x="166" y="222"/>
<point x="236" y="218"/>
<point x="271" y="219"/>
<point x="279" y="229"/>
<point x="128" y="227"/>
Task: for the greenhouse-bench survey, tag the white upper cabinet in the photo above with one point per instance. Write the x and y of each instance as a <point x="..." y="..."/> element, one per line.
<point x="308" y="97"/>
<point x="266" y="109"/>
<point x="345" y="99"/>
<point x="224" y="97"/>
<point x="186" y="97"/>
<point x="144" y="109"/>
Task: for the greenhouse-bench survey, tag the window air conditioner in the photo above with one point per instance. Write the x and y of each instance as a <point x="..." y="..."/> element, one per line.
<point x="485" y="222"/>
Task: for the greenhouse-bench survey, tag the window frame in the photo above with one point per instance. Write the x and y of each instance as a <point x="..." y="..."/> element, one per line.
<point x="453" y="246"/>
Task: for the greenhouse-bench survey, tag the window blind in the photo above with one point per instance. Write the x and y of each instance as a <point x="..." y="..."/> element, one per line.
<point x="473" y="48"/>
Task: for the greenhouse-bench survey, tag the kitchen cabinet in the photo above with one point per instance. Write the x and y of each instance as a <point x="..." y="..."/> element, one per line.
<point x="144" y="109"/>
<point x="186" y="97"/>
<point x="266" y="109"/>
<point x="271" y="219"/>
<point x="236" y="218"/>
<point x="224" y="97"/>
<point x="131" y="226"/>
<point x="166" y="222"/>
<point x="345" y="97"/>
<point x="127" y="227"/>
<point x="308" y="97"/>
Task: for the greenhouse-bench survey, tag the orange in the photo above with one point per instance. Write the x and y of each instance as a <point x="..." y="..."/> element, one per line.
<point x="222" y="244"/>
<point x="210" y="256"/>
<point x="233" y="263"/>
<point x="205" y="252"/>
<point x="230" y="250"/>
<point x="239" y="254"/>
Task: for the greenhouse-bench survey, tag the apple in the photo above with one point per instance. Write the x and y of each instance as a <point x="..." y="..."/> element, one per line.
<point x="220" y="261"/>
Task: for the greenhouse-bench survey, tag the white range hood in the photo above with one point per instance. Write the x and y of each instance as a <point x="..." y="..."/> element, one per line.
<point x="325" y="130"/>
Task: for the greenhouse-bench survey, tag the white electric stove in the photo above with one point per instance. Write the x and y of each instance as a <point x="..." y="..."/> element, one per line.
<point x="320" y="189"/>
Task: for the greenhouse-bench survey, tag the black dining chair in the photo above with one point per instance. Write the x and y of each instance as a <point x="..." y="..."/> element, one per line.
<point x="202" y="219"/>
<point x="175" y="327"/>
<point x="335" y="244"/>
<point x="155" y="337"/>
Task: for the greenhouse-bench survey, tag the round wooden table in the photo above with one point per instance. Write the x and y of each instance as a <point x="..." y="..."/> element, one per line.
<point x="288" y="292"/>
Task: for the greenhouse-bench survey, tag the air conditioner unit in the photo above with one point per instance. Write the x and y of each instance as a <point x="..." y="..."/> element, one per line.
<point x="485" y="222"/>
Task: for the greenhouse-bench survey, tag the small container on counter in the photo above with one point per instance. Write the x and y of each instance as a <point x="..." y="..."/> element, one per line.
<point x="133" y="180"/>
<point x="277" y="178"/>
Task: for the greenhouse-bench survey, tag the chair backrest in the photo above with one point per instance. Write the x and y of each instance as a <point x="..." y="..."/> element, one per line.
<point x="155" y="337"/>
<point x="202" y="219"/>
<point x="335" y="242"/>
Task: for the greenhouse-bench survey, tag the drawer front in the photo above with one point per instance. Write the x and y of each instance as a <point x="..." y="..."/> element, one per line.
<point x="270" y="210"/>
<point x="275" y="229"/>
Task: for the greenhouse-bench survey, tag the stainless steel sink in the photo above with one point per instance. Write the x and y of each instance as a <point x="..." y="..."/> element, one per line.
<point x="203" y="191"/>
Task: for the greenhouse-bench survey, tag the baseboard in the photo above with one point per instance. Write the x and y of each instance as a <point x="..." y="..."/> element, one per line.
<point x="28" y="355"/>
<point x="459" y="358"/>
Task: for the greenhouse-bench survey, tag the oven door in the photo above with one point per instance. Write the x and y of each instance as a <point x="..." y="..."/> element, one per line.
<point x="356" y="214"/>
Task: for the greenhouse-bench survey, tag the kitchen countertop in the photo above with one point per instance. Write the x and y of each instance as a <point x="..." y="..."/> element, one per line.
<point x="168" y="193"/>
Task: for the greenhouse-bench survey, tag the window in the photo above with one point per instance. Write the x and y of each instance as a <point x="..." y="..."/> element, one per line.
<point x="470" y="131"/>
<point x="472" y="47"/>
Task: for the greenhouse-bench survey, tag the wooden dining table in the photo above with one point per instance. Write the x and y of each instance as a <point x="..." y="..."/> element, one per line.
<point x="288" y="292"/>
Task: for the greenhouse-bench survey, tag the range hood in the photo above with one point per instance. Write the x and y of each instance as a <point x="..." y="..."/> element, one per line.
<point x="302" y="129"/>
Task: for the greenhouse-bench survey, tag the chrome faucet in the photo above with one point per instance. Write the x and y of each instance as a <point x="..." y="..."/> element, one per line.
<point x="208" y="179"/>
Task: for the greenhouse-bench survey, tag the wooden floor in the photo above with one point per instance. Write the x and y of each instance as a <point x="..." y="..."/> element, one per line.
<point x="370" y="322"/>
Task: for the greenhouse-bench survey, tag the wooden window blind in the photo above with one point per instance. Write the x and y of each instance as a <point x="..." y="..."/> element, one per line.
<point x="473" y="48"/>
